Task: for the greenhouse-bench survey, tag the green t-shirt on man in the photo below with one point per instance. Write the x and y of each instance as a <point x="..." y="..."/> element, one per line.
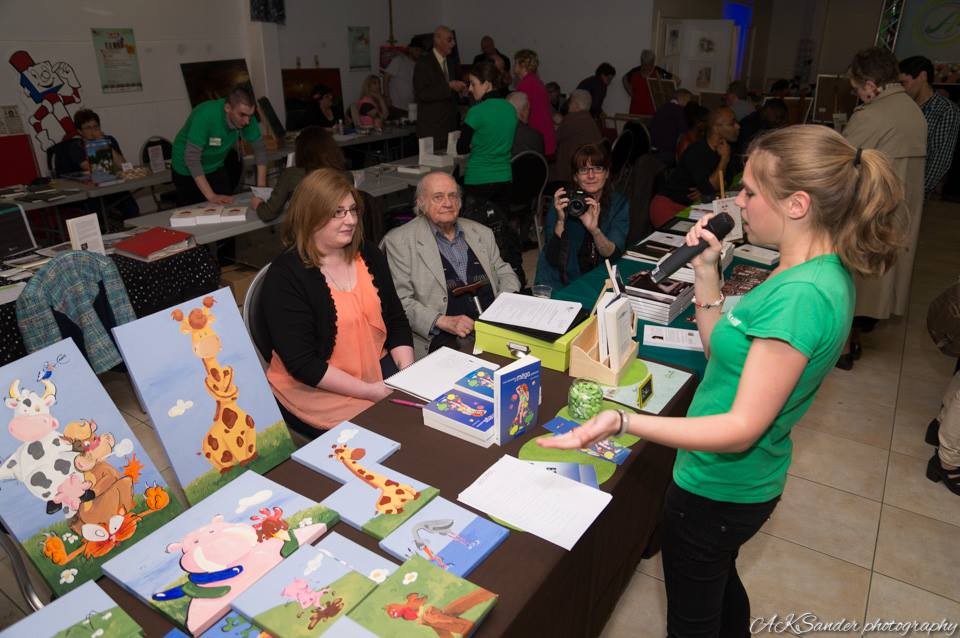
<point x="494" y="122"/>
<point x="208" y="127"/>
<point x="810" y="307"/>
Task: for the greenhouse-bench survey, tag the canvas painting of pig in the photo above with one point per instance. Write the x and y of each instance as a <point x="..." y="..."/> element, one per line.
<point x="195" y="566"/>
<point x="76" y="486"/>
<point x="305" y="595"/>
<point x="196" y="372"/>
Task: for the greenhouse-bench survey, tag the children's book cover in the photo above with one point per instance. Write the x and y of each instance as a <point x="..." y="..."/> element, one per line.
<point x="608" y="449"/>
<point x="374" y="498"/>
<point x="233" y="625"/>
<point x="579" y="472"/>
<point x="450" y="537"/>
<point x="462" y="409"/>
<point x="195" y="368"/>
<point x="516" y="398"/>
<point x="422" y="600"/>
<point x="193" y="567"/>
<point x="304" y="595"/>
<point x="85" y="611"/>
<point x="358" y="558"/>
<point x="76" y="486"/>
<point x="480" y="381"/>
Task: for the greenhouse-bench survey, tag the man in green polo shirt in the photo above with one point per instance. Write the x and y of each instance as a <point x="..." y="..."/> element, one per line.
<point x="202" y="145"/>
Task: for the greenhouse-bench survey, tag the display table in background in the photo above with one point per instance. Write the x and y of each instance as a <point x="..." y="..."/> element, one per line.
<point x="151" y="287"/>
<point x="544" y="590"/>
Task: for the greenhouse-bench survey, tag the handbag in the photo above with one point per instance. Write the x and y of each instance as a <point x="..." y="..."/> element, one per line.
<point x="943" y="321"/>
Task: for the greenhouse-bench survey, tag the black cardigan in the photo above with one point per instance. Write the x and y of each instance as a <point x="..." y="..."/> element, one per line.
<point x="302" y="320"/>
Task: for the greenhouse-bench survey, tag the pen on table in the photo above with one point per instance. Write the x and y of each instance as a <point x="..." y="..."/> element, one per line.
<point x="409" y="404"/>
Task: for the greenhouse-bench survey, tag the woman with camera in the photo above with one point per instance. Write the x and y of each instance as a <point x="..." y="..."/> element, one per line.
<point x="831" y="210"/>
<point x="587" y="222"/>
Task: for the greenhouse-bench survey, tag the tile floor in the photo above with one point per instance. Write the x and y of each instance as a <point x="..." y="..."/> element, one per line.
<point x="860" y="531"/>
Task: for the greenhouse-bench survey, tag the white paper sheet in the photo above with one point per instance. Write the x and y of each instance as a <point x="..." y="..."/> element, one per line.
<point x="433" y="375"/>
<point x="549" y="315"/>
<point x="552" y="507"/>
<point x="262" y="192"/>
<point x="664" y="337"/>
<point x="667" y="382"/>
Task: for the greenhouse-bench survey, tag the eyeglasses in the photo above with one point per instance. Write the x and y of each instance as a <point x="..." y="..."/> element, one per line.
<point x="340" y="213"/>
<point x="586" y="170"/>
<point x="439" y="198"/>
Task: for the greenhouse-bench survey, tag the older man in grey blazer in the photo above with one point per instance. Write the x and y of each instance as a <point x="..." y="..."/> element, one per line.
<point x="445" y="269"/>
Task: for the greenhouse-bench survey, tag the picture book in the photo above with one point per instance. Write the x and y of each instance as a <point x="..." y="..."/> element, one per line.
<point x="462" y="414"/>
<point x="449" y="536"/>
<point x="373" y="498"/>
<point x="85" y="611"/>
<point x="422" y="600"/>
<point x="480" y="382"/>
<point x="196" y="371"/>
<point x="608" y="449"/>
<point x="358" y="558"/>
<point x="193" y="567"/>
<point x="579" y="472"/>
<point x="304" y="595"/>
<point x="76" y="486"/>
<point x="100" y="156"/>
<point x="233" y="625"/>
<point x="516" y="398"/>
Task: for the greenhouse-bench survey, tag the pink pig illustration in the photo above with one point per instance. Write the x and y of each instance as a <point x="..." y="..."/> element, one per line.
<point x="300" y="591"/>
<point x="222" y="559"/>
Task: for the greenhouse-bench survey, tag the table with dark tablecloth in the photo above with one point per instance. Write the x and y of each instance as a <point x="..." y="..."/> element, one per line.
<point x="543" y="589"/>
<point x="151" y="286"/>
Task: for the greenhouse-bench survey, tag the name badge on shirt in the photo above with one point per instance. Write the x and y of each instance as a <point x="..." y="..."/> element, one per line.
<point x="214" y="141"/>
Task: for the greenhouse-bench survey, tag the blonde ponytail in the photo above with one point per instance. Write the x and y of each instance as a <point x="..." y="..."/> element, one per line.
<point x="855" y="196"/>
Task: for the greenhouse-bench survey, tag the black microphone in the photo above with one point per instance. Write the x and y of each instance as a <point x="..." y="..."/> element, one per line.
<point x="719" y="226"/>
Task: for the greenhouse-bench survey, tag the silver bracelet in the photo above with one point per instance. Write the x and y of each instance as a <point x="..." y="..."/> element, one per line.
<point x="624" y="422"/>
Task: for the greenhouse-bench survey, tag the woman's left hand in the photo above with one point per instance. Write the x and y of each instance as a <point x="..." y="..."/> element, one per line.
<point x="591" y="217"/>
<point x="600" y="427"/>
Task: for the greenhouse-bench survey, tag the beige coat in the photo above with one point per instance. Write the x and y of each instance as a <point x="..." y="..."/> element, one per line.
<point x="894" y="124"/>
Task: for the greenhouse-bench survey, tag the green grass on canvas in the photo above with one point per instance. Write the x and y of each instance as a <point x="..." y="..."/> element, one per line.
<point x="381" y="525"/>
<point x="283" y="620"/>
<point x="89" y="568"/>
<point x="438" y="586"/>
<point x="316" y="514"/>
<point x="274" y="446"/>
<point x="112" y="622"/>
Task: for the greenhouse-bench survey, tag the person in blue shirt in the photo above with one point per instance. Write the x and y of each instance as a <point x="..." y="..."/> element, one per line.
<point x="575" y="244"/>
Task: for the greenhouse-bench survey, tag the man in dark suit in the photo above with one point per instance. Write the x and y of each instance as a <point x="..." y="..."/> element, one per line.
<point x="435" y="88"/>
<point x="490" y="52"/>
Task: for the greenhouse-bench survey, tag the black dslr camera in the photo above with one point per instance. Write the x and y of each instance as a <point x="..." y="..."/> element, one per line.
<point x="578" y="202"/>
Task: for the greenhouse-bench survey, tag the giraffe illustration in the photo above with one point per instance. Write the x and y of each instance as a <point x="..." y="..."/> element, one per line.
<point x="393" y="495"/>
<point x="231" y="439"/>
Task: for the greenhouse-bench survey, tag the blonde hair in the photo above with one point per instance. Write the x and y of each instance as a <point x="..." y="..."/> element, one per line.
<point x="370" y="86"/>
<point x="312" y="207"/>
<point x="528" y="59"/>
<point x="855" y="196"/>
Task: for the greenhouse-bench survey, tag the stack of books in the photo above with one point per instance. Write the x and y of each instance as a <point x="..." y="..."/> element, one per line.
<point x="766" y="256"/>
<point x="210" y="214"/>
<point x="660" y="303"/>
<point x="154" y="243"/>
<point x="658" y="245"/>
<point x="464" y="411"/>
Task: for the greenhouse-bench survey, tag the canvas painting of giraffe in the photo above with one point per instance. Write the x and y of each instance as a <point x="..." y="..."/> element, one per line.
<point x="198" y="376"/>
<point x="374" y="498"/>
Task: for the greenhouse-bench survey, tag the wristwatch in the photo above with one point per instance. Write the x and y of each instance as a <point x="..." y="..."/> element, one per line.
<point x="624" y="422"/>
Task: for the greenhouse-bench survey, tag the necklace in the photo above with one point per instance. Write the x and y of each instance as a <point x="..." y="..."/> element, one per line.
<point x="341" y="285"/>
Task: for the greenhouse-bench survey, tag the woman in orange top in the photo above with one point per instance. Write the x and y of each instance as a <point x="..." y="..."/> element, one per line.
<point x="334" y="321"/>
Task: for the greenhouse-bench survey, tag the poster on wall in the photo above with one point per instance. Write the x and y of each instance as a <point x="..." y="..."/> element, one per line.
<point x="117" y="60"/>
<point x="50" y="93"/>
<point x="10" y="123"/>
<point x="358" y="43"/>
<point x="930" y="28"/>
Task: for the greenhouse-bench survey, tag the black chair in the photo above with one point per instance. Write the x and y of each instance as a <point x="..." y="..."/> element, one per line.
<point x="57" y="157"/>
<point x="164" y="196"/>
<point x="620" y="156"/>
<point x="530" y="172"/>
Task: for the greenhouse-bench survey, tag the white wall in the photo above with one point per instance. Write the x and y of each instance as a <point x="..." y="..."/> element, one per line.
<point x="315" y="28"/>
<point x="570" y="37"/>
<point x="167" y="33"/>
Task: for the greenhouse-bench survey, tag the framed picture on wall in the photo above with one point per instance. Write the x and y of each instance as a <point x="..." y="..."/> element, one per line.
<point x="358" y="46"/>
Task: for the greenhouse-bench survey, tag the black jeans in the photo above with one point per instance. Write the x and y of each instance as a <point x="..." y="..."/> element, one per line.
<point x="701" y="539"/>
<point x="188" y="193"/>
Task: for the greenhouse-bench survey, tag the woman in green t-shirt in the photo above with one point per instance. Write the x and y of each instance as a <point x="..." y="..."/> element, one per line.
<point x="830" y="209"/>
<point x="487" y="134"/>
